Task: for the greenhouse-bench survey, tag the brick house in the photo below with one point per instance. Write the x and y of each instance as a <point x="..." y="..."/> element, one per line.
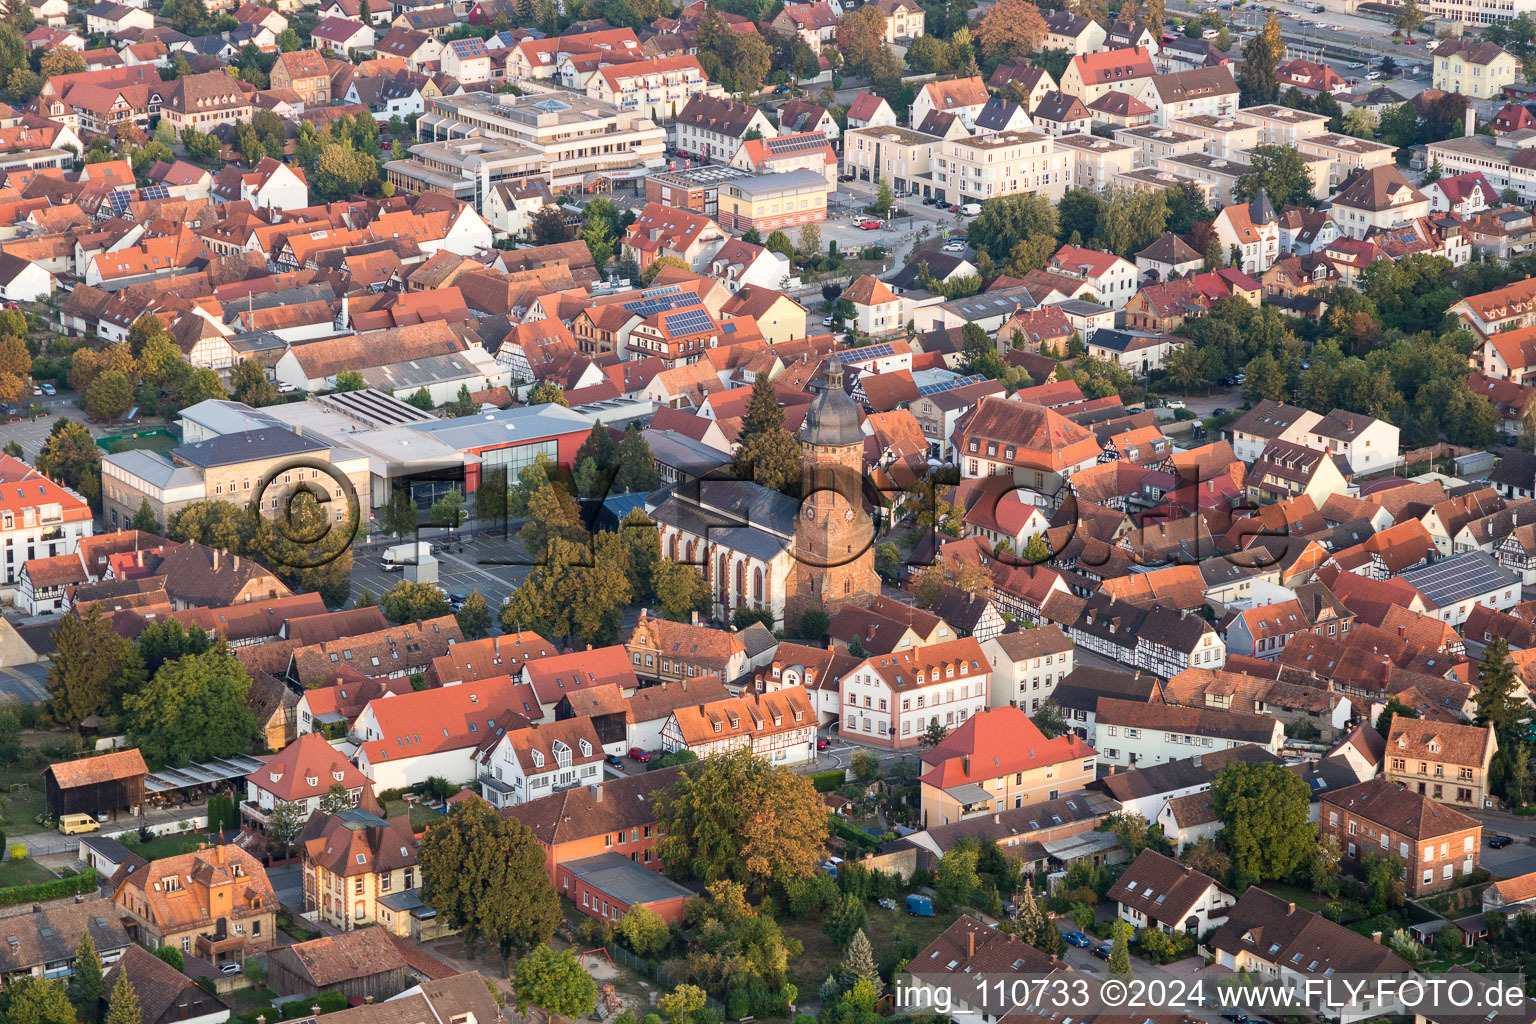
<point x="1440" y="760"/>
<point x="1436" y="844"/>
<point x="215" y="903"/>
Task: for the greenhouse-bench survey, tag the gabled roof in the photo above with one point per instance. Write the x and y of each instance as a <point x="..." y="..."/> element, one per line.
<point x="1110" y="66"/>
<point x="1161" y="888"/>
<point x="1000" y="741"/>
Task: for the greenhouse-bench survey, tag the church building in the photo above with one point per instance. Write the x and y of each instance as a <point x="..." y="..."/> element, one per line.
<point x="764" y="550"/>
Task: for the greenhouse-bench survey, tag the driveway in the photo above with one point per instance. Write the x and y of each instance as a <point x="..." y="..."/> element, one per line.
<point x="288" y="884"/>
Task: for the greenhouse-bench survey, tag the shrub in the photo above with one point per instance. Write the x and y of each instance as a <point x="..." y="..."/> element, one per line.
<point x="19" y="851"/>
<point x="827" y="782"/>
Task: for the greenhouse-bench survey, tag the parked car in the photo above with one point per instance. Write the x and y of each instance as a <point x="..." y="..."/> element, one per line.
<point x="639" y="754"/>
<point x="230" y="967"/>
<point x="614" y="761"/>
<point x="49" y="389"/>
<point x="826" y="321"/>
<point x="1220" y="410"/>
<point x="930" y="201"/>
<point x="1356" y="65"/>
<point x="1077" y="939"/>
<point x="1235" y="1016"/>
<point x="75" y="824"/>
<point x="1371" y="76"/>
<point x="1174" y="403"/>
<point x="871" y="225"/>
<point x="845" y="177"/>
<point x="1499" y="842"/>
<point x="955" y="247"/>
<point x="1102" y="952"/>
<point x="457" y="601"/>
<point x="823" y="743"/>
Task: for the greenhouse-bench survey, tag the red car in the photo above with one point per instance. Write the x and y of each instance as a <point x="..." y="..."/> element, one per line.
<point x="638" y="754"/>
<point x="871" y="225"/>
<point x="823" y="744"/>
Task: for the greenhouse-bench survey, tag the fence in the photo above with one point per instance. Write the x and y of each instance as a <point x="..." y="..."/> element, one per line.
<point x="651" y="969"/>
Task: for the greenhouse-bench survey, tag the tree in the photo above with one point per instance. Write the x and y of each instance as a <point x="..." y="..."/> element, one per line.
<point x="771" y="460"/>
<point x="1278" y="171"/>
<point x="934" y="734"/>
<point x="861" y="37"/>
<point x="859" y="962"/>
<point x="679" y="1005"/>
<point x="644" y="931"/>
<point x="681" y="590"/>
<point x="1136" y="833"/>
<point x="735" y="816"/>
<point x="398" y="515"/>
<point x="475" y="617"/>
<point x="1029" y="920"/>
<point x="70" y="456"/>
<point x="336" y="799"/>
<point x="171" y="955"/>
<point x="637" y="466"/>
<point x="738" y="61"/>
<point x="1393" y="709"/>
<point x="809" y="243"/>
<point x="546" y="393"/>
<point x="779" y="242"/>
<point x="1120" y="951"/>
<point x="15" y="366"/>
<point x="285" y="822"/>
<point x="40" y="1001"/>
<point x="1010" y="31"/>
<point x="91" y="668"/>
<point x="194" y="709"/>
<point x="124" y="1005"/>
<point x="485" y="875"/>
<point x="109" y="396"/>
<point x="167" y="640"/>
<point x="555" y="982"/>
<point x="86" y="984"/>
<point x="865" y="766"/>
<point x="449" y="511"/>
<point x="1263" y="811"/>
<point x="1258" y="80"/>
<point x="1408" y="18"/>
<point x="350" y="380"/>
<point x="249" y="384"/>
<point x="884" y="197"/>
<point x="1495" y="698"/>
<point x="956" y="880"/>
<point x="408" y="601"/>
<point x="1008" y="220"/>
<point x="845" y="919"/>
<point x="548" y="226"/>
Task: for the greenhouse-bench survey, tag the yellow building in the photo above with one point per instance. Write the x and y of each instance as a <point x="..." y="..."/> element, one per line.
<point x="768" y="202"/>
<point x="1472" y="67"/>
<point x="360" y="869"/>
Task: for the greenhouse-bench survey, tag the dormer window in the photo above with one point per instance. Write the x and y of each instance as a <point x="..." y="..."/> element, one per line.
<point x="337" y="775"/>
<point x="311" y="781"/>
<point x="538" y="758"/>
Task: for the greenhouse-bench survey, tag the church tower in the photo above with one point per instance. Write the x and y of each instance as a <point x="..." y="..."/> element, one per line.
<point x="834" y="534"/>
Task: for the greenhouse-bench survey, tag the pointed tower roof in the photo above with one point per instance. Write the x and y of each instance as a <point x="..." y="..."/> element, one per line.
<point x="833" y="419"/>
<point x="1260" y="211"/>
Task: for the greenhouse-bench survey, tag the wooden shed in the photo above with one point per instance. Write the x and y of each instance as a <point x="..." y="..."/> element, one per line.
<point x="107" y="784"/>
<point x="358" y="964"/>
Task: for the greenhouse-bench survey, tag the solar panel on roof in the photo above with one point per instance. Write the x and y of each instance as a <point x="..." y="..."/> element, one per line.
<point x="949" y="385"/>
<point x="855" y="355"/>
<point x="792" y="143"/>
<point x="119" y="201"/>
<point x="689" y="321"/>
<point x="155" y="192"/>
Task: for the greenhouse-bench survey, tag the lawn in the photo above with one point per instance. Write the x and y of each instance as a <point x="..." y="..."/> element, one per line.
<point x="421" y="814"/>
<point x="23" y="872"/>
<point x="171" y="845"/>
<point x="892" y="933"/>
<point x="151" y="441"/>
<point x="21" y="806"/>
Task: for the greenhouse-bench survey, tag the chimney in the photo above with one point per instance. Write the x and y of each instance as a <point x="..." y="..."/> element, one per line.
<point x="970" y="944"/>
<point x="1376" y="937"/>
<point x="237" y="563"/>
<point x="139" y="557"/>
<point x="1471" y="126"/>
<point x="215" y="559"/>
<point x="965" y="765"/>
<point x="315" y="1009"/>
<point x="1290" y="908"/>
<point x="298" y="430"/>
<point x="368" y="1000"/>
<point x="597" y="793"/>
<point x="261" y="1018"/>
<point x="695" y="618"/>
<point x="1402" y="632"/>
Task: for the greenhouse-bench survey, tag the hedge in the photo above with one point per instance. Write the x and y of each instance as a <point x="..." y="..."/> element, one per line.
<point x="826" y="782"/>
<point x="56" y="889"/>
<point x="853" y="835"/>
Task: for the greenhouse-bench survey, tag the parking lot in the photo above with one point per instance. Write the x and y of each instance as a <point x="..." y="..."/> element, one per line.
<point x="488" y="563"/>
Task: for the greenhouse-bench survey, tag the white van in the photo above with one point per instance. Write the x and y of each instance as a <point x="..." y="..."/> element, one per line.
<point x="971" y="209"/>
